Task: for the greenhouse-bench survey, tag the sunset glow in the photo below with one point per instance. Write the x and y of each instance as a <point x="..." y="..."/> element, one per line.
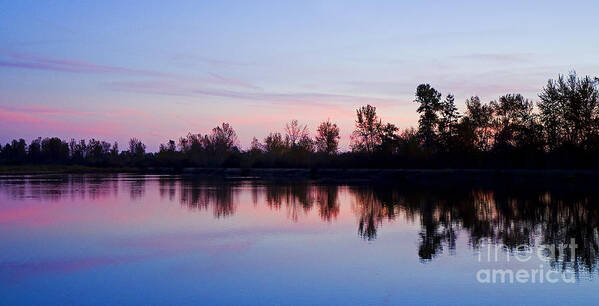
<point x="111" y="70"/>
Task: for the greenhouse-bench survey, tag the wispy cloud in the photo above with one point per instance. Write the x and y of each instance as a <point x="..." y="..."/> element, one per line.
<point x="72" y="66"/>
<point x="192" y="59"/>
<point x="126" y="113"/>
<point x="232" y="81"/>
<point x="23" y="61"/>
<point x="12" y="117"/>
<point x="170" y="88"/>
<point x="497" y="57"/>
<point x="296" y="97"/>
<point x="45" y="110"/>
<point x="150" y="87"/>
<point x="392" y="88"/>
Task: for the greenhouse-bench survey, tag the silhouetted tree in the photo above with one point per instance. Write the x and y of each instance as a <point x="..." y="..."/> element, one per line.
<point x="114" y="151"/>
<point x="191" y="144"/>
<point x="367" y="135"/>
<point x="569" y="109"/>
<point x="512" y="119"/>
<point x="409" y="143"/>
<point x="35" y="150"/>
<point x="479" y="118"/>
<point x="294" y="132"/>
<point x="305" y="144"/>
<point x="136" y="148"/>
<point x="15" y="152"/>
<point x="98" y="151"/>
<point x="223" y="139"/>
<point x="255" y="146"/>
<point x="170" y="146"/>
<point x="430" y="103"/>
<point x="448" y="122"/>
<point x="273" y="143"/>
<point x="168" y="154"/>
<point x="55" y="150"/>
<point x="389" y="138"/>
<point x="77" y="150"/>
<point x="327" y="137"/>
<point x="508" y="132"/>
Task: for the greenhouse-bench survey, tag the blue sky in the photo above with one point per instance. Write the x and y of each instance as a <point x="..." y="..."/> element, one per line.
<point x="158" y="70"/>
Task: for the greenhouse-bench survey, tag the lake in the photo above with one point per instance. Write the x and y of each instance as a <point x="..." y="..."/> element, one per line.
<point x="168" y="239"/>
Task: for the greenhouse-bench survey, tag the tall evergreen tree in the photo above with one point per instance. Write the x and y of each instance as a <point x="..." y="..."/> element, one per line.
<point x="448" y="121"/>
<point x="430" y="103"/>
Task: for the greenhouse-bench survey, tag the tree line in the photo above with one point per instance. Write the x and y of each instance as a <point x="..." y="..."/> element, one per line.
<point x="561" y="130"/>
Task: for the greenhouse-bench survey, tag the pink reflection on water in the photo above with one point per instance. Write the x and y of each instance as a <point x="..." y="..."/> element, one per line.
<point x="121" y="221"/>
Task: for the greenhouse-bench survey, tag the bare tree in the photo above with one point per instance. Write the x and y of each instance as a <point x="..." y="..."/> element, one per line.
<point x="294" y="132"/>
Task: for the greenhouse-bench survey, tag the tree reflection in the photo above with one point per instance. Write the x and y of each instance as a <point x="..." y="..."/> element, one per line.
<point x="372" y="206"/>
<point x="328" y="202"/>
<point x="509" y="217"/>
<point x="512" y="217"/>
<point x="297" y="198"/>
<point x="59" y="187"/>
<point x="201" y="195"/>
<point x="137" y="188"/>
<point x="167" y="187"/>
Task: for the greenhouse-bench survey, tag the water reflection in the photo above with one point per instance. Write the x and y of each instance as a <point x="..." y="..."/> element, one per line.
<point x="61" y="187"/>
<point x="511" y="217"/>
<point x="200" y="195"/>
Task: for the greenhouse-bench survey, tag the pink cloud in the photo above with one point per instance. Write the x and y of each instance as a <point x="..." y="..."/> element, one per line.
<point x="37" y="121"/>
<point x="7" y="116"/>
<point x="302" y="98"/>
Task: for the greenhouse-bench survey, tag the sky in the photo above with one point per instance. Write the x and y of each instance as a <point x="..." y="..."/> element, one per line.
<point x="157" y="70"/>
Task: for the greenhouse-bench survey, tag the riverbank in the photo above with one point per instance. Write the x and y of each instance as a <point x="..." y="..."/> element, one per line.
<point x="58" y="169"/>
<point x="422" y="177"/>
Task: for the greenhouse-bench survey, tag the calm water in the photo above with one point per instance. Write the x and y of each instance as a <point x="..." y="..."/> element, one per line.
<point x="123" y="239"/>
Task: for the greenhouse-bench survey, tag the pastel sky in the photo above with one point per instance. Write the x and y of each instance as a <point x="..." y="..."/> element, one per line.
<point x="158" y="70"/>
